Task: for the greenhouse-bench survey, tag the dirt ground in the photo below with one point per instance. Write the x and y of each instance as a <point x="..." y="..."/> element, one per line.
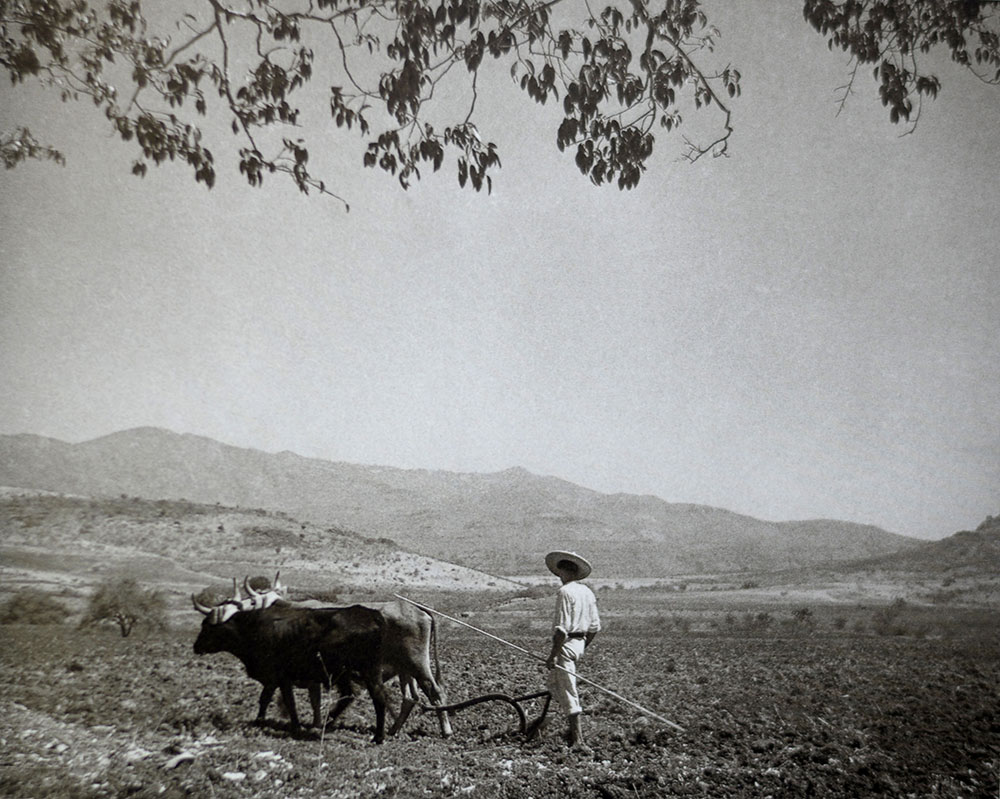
<point x="818" y="709"/>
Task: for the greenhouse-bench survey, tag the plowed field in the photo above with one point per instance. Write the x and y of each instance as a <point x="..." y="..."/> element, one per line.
<point x="825" y="714"/>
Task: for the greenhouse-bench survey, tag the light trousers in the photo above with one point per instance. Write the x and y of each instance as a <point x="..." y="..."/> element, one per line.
<point x="562" y="684"/>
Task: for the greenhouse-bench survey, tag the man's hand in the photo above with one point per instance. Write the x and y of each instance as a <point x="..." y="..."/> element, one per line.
<point x="558" y="639"/>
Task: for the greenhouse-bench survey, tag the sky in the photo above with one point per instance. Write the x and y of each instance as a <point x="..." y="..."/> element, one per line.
<point x="808" y="328"/>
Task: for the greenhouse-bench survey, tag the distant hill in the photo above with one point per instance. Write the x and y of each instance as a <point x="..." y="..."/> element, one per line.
<point x="967" y="553"/>
<point x="65" y="543"/>
<point x="501" y="523"/>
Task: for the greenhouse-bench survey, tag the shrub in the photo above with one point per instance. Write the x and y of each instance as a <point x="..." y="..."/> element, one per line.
<point x="122" y="601"/>
<point x="259" y="582"/>
<point x="211" y="597"/>
<point x="331" y="595"/>
<point x="804" y="616"/>
<point x="533" y="592"/>
<point x="681" y="623"/>
<point x="886" y="620"/>
<point x="32" y="606"/>
<point x="760" y="621"/>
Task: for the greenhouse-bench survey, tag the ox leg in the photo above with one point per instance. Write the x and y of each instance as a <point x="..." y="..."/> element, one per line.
<point x="408" y="691"/>
<point x="376" y="690"/>
<point x="346" y="696"/>
<point x="288" y="697"/>
<point x="390" y="711"/>
<point x="435" y="696"/>
<point x="316" y="701"/>
<point x="266" y="694"/>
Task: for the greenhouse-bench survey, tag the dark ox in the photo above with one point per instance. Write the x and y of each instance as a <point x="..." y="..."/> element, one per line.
<point x="283" y="645"/>
<point x="409" y="645"/>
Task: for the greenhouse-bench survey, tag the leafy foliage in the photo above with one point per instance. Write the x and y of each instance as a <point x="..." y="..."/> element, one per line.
<point x="622" y="72"/>
<point x="895" y="37"/>
<point x="20" y="145"/>
<point x="124" y="602"/>
<point x="32" y="606"/>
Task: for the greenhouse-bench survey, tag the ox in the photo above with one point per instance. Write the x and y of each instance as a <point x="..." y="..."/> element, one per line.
<point x="409" y="644"/>
<point x="283" y="645"/>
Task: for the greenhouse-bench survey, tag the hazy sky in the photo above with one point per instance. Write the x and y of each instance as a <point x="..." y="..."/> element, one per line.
<point x="808" y="328"/>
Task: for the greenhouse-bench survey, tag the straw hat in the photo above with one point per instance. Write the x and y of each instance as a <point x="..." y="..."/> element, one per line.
<point x="553" y="558"/>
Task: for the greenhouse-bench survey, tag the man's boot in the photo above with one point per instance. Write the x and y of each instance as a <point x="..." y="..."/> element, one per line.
<point x="574" y="737"/>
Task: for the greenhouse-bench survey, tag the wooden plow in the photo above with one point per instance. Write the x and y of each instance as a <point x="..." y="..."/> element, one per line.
<point x="515" y="702"/>
<point x="524" y="728"/>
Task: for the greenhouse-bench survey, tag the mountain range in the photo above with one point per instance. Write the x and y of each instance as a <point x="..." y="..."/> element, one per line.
<point x="501" y="522"/>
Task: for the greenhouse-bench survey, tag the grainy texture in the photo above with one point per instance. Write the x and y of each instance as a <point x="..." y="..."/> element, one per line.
<point x="778" y="710"/>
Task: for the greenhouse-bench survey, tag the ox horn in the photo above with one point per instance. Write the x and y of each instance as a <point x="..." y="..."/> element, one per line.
<point x="277" y="582"/>
<point x="203" y="609"/>
<point x="249" y="588"/>
<point x="236" y="591"/>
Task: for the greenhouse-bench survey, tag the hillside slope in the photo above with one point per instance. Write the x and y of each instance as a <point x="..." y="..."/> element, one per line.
<point x="69" y="543"/>
<point x="502" y="523"/>
<point x="966" y="553"/>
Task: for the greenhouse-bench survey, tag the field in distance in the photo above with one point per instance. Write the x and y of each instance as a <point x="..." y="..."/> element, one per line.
<point x="895" y="700"/>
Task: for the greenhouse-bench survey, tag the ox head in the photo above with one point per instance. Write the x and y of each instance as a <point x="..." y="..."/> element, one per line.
<point x="217" y="634"/>
<point x="255" y="600"/>
<point x="217" y="614"/>
<point x="214" y="635"/>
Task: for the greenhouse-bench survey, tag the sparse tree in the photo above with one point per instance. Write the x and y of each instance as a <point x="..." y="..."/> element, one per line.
<point x="122" y="601"/>
<point x="622" y="71"/>
<point x="31" y="606"/>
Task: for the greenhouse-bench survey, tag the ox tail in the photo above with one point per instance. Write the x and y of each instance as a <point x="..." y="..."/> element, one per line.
<point x="434" y="649"/>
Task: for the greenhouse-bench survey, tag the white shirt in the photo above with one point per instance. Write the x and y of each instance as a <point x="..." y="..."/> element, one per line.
<point x="576" y="609"/>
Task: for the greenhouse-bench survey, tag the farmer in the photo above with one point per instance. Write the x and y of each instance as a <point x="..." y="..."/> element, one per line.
<point x="576" y="624"/>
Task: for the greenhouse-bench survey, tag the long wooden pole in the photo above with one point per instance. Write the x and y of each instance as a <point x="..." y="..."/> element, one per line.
<point x="532" y="655"/>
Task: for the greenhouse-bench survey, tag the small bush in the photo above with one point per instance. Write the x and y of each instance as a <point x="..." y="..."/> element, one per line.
<point x="124" y="602"/>
<point x="681" y="623"/>
<point x="759" y="621"/>
<point x="259" y="583"/>
<point x="533" y="592"/>
<point x="211" y="597"/>
<point x="331" y="595"/>
<point x="804" y="617"/>
<point x="886" y="621"/>
<point x="32" y="606"/>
